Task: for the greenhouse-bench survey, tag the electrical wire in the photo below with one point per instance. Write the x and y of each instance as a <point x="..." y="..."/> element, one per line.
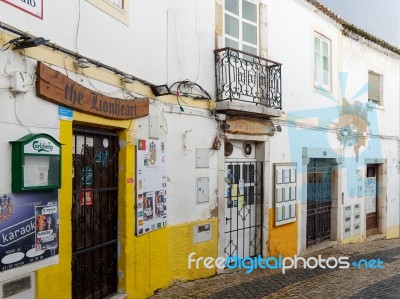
<point x="98" y="90"/>
<point x="180" y="106"/>
<point x="77" y="25"/>
<point x="12" y="42"/>
<point x="17" y="117"/>
<point x="176" y="42"/>
<point x="189" y="85"/>
<point x="165" y="121"/>
<point x="198" y="45"/>
<point x="32" y="126"/>
<point x="5" y="66"/>
<point x="191" y="113"/>
<point x="32" y="82"/>
<point x="65" y="67"/>
<point x="295" y="124"/>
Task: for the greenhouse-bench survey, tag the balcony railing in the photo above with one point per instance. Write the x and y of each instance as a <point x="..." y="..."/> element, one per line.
<point x="245" y="77"/>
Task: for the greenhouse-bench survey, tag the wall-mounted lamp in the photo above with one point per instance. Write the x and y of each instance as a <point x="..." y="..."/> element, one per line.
<point x="160" y="90"/>
<point x="82" y="63"/>
<point x="127" y="79"/>
<point x="23" y="42"/>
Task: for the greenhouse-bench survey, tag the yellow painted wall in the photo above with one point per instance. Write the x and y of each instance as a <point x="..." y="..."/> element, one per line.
<point x="52" y="281"/>
<point x="161" y="257"/>
<point x="353" y="239"/>
<point x="282" y="239"/>
<point x="145" y="263"/>
<point x="392" y="232"/>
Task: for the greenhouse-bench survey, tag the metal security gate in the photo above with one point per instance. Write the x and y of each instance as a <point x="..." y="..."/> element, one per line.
<point x="319" y="200"/>
<point x="94" y="213"/>
<point x="243" y="208"/>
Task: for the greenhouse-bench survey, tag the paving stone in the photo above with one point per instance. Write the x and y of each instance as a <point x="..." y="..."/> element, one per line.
<point x="301" y="283"/>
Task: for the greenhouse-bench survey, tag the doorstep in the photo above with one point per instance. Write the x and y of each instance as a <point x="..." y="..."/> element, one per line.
<point x="118" y="296"/>
<point x="320" y="246"/>
<point x="375" y="237"/>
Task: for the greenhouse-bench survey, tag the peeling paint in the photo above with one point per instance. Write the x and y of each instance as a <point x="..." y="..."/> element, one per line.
<point x="354" y="121"/>
<point x="214" y="212"/>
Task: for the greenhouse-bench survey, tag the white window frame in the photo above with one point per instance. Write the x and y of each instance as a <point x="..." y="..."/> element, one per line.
<point x="118" y="3"/>
<point x="317" y="83"/>
<point x="380" y="87"/>
<point x="285" y="193"/>
<point x="242" y="20"/>
<point x="119" y="12"/>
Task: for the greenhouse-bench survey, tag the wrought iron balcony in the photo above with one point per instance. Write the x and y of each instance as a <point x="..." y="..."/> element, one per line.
<point x="247" y="79"/>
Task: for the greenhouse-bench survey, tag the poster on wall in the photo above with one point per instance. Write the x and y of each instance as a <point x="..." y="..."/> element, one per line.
<point x="370" y="194"/>
<point x="28" y="228"/>
<point x="151" y="192"/>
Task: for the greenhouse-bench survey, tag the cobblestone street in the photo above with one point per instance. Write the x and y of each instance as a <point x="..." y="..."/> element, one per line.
<point x="306" y="283"/>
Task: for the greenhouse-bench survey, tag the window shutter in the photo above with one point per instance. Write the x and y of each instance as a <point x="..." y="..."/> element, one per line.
<point x="374" y="87"/>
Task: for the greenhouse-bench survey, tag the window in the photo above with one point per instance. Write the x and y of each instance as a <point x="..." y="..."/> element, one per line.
<point x="118" y="9"/>
<point x="322" y="62"/>
<point x="241" y="25"/>
<point x="119" y="3"/>
<point x="374" y="88"/>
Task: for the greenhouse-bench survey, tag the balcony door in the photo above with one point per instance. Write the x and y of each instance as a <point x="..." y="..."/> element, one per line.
<point x="241" y="33"/>
<point x="241" y="25"/>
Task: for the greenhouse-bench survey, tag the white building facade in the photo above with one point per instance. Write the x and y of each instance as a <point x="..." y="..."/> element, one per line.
<point x="341" y="88"/>
<point x="276" y="130"/>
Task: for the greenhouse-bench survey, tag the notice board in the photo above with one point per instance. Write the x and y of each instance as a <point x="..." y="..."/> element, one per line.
<point x="151" y="186"/>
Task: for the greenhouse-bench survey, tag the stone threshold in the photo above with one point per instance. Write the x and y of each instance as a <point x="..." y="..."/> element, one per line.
<point x="375" y="237"/>
<point x="117" y="296"/>
<point x="319" y="247"/>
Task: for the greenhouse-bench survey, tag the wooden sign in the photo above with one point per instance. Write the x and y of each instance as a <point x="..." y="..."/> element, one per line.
<point x="55" y="87"/>
<point x="250" y="126"/>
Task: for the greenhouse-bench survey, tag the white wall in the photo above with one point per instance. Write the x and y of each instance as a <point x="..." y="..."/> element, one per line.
<point x="357" y="59"/>
<point x="183" y="133"/>
<point x="291" y="26"/>
<point x="143" y="49"/>
<point x="21" y="113"/>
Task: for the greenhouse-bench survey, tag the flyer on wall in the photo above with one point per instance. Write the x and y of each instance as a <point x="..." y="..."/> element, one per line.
<point x="151" y="201"/>
<point x="28" y="228"/>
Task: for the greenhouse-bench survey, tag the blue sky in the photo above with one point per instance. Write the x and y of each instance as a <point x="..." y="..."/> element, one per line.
<point x="380" y="18"/>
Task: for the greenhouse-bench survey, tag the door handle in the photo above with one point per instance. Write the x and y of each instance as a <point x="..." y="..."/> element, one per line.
<point x="226" y="219"/>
